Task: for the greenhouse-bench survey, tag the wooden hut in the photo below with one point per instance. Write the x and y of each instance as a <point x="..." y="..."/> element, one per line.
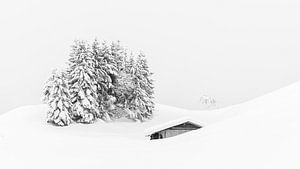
<point x="173" y="128"/>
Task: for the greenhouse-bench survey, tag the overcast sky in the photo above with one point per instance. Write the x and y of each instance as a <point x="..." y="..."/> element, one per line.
<point x="232" y="50"/>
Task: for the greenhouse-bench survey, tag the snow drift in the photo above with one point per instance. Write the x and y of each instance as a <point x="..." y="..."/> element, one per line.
<point x="261" y="134"/>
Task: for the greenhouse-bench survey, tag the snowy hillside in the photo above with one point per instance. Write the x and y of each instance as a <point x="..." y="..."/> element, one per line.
<point x="261" y="134"/>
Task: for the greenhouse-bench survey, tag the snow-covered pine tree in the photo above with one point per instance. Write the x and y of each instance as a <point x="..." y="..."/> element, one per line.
<point x="130" y="65"/>
<point x="48" y="87"/>
<point x="140" y="99"/>
<point x="122" y="92"/>
<point x="83" y="83"/>
<point x="106" y="71"/>
<point x="56" y="96"/>
<point x="147" y="84"/>
<point x="124" y="87"/>
<point x="111" y="59"/>
<point x="119" y="89"/>
<point x="119" y="54"/>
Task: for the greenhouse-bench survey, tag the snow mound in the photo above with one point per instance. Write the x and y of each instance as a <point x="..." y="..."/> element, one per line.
<point x="260" y="134"/>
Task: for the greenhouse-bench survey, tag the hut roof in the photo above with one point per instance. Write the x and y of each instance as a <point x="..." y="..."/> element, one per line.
<point x="172" y="123"/>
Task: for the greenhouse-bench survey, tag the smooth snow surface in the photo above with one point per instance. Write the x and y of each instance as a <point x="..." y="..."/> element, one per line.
<point x="261" y="134"/>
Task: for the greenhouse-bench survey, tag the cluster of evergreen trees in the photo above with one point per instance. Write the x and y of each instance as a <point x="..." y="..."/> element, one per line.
<point x="102" y="81"/>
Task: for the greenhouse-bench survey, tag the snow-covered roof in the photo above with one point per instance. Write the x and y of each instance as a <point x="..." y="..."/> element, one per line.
<point x="172" y="123"/>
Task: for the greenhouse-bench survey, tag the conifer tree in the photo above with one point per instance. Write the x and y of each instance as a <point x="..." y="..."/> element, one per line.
<point x="124" y="88"/>
<point x="119" y="54"/>
<point x="140" y="89"/>
<point x="146" y="83"/>
<point x="83" y="83"/>
<point x="56" y="96"/>
<point x="48" y="87"/>
<point x="105" y="82"/>
<point x="105" y="68"/>
<point x="136" y="85"/>
<point x="108" y="62"/>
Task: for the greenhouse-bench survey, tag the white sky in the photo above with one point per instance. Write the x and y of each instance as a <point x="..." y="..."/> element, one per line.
<point x="231" y="50"/>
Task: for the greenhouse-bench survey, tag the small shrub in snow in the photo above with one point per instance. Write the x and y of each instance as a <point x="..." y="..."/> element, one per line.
<point x="207" y="101"/>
